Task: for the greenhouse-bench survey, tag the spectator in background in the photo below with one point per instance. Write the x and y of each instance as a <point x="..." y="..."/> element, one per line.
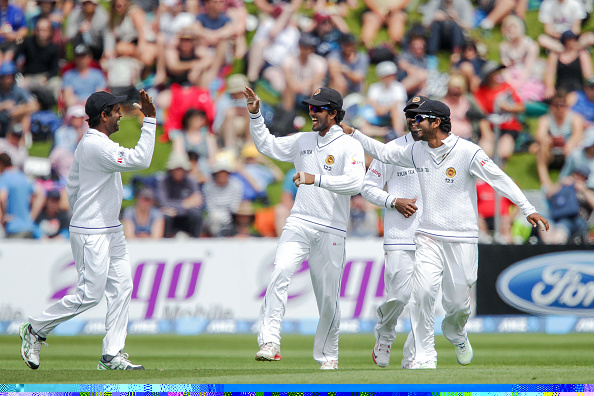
<point x="20" y="201"/>
<point x="53" y="222"/>
<point x="485" y="198"/>
<point x="180" y="198"/>
<point x="519" y="54"/>
<point x="89" y="25"/>
<point x="40" y="59"/>
<point x="567" y="69"/>
<point x="447" y="21"/>
<point x="222" y="196"/>
<point x="468" y="120"/>
<point x="335" y="10"/>
<point x="195" y="136"/>
<point x="131" y="33"/>
<point x="66" y="139"/>
<point x="558" y="133"/>
<point x="273" y="42"/>
<point x="502" y="105"/>
<point x="348" y="67"/>
<point x="143" y="220"/>
<point x="16" y="103"/>
<point x="13" y="145"/>
<point x="363" y="219"/>
<point x="414" y="62"/>
<point x="13" y="29"/>
<point x="243" y="221"/>
<point x="186" y="65"/>
<point x="385" y="100"/>
<point x="278" y="8"/>
<point x="470" y="64"/>
<point x="582" y="157"/>
<point x="582" y="102"/>
<point x="83" y="80"/>
<point x="389" y="13"/>
<point x="216" y="30"/>
<point x="496" y="10"/>
<point x="49" y="9"/>
<point x="570" y="204"/>
<point x="256" y="172"/>
<point x="231" y="122"/>
<point x="327" y="33"/>
<point x="302" y="73"/>
<point x="559" y="16"/>
<point x="172" y="18"/>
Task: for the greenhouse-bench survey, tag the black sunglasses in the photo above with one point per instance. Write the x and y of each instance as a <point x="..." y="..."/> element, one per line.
<point x="420" y="117"/>
<point x="318" y="109"/>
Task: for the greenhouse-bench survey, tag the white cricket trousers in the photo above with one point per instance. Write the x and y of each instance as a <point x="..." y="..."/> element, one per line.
<point x="326" y="254"/>
<point x="398" y="280"/>
<point x="103" y="267"/>
<point x="454" y="265"/>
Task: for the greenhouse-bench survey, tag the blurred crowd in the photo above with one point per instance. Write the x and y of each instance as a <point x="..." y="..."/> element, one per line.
<point x="535" y="95"/>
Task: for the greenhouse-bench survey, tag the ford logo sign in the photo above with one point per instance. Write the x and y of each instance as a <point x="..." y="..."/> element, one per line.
<point x="551" y="284"/>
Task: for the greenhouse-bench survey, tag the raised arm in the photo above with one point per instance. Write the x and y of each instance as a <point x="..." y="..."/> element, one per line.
<point x="281" y="149"/>
<point x="389" y="154"/>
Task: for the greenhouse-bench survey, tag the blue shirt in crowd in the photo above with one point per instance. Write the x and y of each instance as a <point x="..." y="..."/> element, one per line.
<point x="19" y="190"/>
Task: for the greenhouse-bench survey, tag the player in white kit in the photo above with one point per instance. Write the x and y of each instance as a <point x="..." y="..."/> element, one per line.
<point x="447" y="236"/>
<point x="100" y="252"/>
<point x="330" y="168"/>
<point x="401" y="199"/>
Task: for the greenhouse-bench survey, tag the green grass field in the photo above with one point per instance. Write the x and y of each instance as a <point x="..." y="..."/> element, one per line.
<point x="229" y="359"/>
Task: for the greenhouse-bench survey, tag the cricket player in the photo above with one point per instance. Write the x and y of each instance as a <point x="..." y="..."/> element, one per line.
<point x="447" y="236"/>
<point x="94" y="188"/>
<point x="330" y="168"/>
<point x="402" y="202"/>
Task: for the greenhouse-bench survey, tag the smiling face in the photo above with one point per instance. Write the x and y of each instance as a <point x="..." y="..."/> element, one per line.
<point x="112" y="124"/>
<point x="321" y="118"/>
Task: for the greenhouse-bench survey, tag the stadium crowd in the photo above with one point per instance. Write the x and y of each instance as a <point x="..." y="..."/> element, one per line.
<point x="194" y="57"/>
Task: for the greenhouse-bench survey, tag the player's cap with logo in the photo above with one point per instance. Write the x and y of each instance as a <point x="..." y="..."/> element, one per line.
<point x="325" y="97"/>
<point x="98" y="101"/>
<point x="413" y="103"/>
<point x="432" y="107"/>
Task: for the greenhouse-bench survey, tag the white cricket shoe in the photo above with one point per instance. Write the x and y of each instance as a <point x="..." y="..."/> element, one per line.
<point x="329" y="365"/>
<point x="464" y="353"/>
<point x="119" y="362"/>
<point x="31" y="346"/>
<point x="269" y="352"/>
<point x="428" y="365"/>
<point x="381" y="354"/>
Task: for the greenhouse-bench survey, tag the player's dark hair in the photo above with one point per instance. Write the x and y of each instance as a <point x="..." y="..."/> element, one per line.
<point x="94" y="121"/>
<point x="339" y="115"/>
<point x="446" y="124"/>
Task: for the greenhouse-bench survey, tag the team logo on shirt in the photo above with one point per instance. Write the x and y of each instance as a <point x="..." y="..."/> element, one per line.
<point x="355" y="162"/>
<point x="121" y="157"/>
<point x="451" y="172"/>
<point x="330" y="160"/>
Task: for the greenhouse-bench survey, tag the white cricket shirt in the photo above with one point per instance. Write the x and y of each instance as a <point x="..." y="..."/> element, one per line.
<point x="400" y="182"/>
<point x="447" y="181"/>
<point x="94" y="183"/>
<point x="337" y="162"/>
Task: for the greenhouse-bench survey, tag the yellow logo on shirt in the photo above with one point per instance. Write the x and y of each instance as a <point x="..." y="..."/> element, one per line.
<point x="451" y="172"/>
<point x="330" y="160"/>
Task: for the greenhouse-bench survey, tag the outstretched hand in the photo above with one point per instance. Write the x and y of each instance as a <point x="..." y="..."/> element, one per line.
<point x="146" y="105"/>
<point x="253" y="101"/>
<point x="536" y="219"/>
